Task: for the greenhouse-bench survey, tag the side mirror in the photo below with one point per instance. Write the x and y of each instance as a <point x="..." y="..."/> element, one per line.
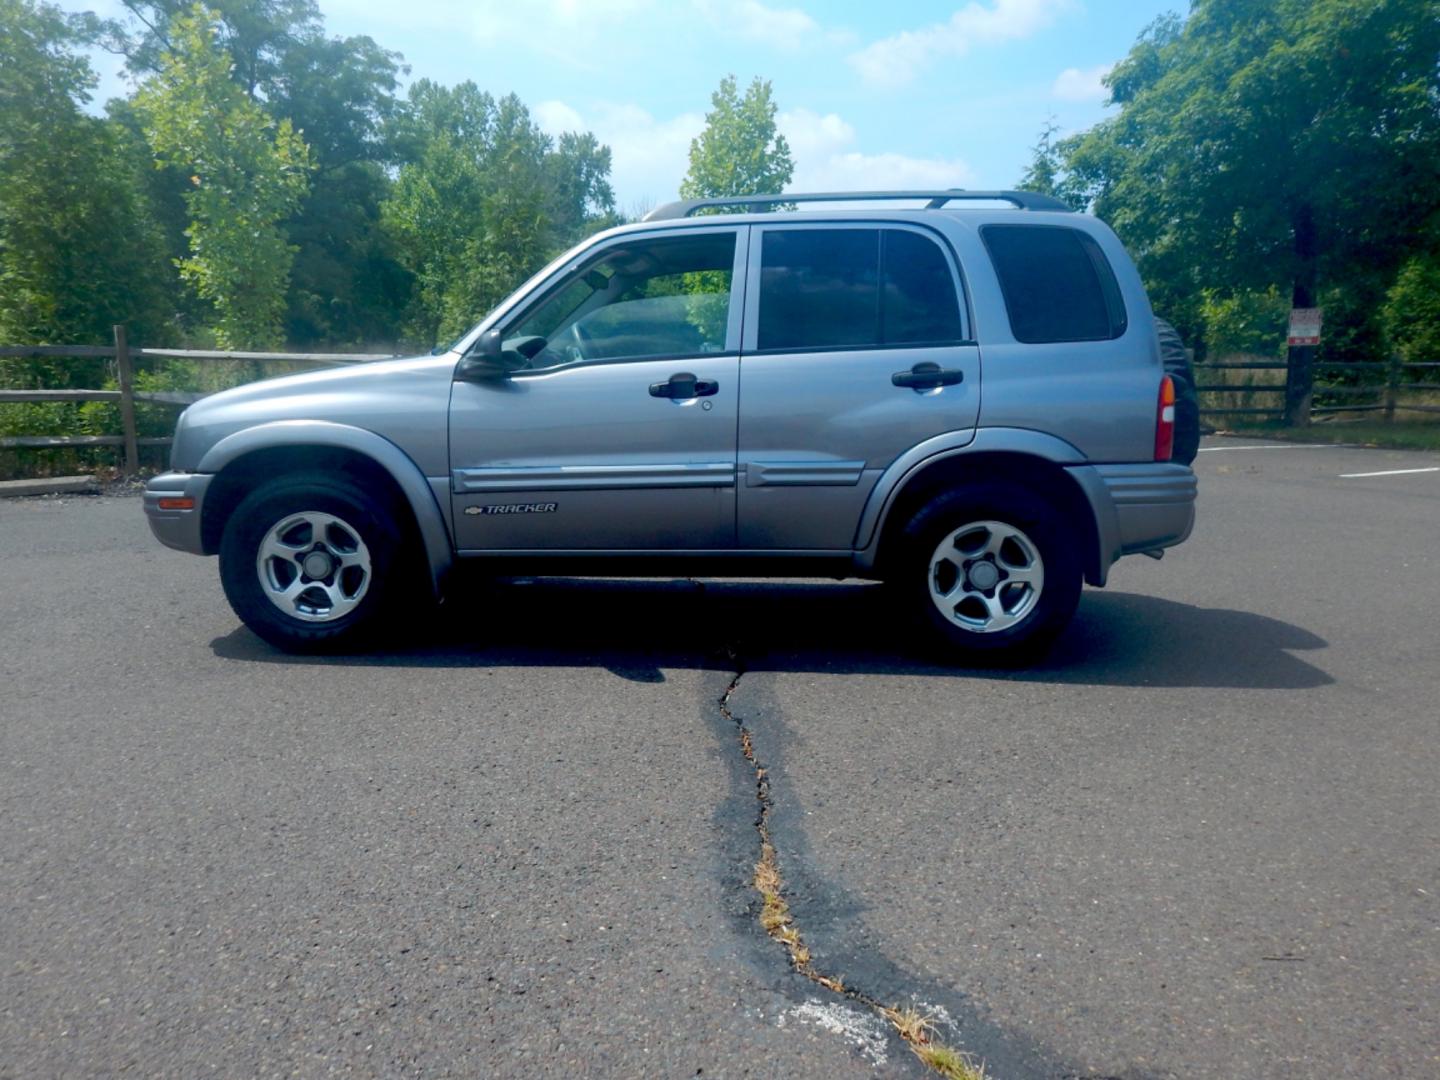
<point x="489" y="360"/>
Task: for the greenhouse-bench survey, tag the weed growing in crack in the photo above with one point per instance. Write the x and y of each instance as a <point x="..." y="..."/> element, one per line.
<point x="948" y="1062"/>
<point x="916" y="1028"/>
<point x="910" y="1024"/>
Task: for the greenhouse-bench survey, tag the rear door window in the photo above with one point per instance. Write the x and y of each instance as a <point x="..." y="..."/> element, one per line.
<point x="854" y="288"/>
<point x="1057" y="283"/>
<point x="919" y="305"/>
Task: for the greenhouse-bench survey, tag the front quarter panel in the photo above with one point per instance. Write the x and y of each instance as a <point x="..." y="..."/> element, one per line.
<point x="405" y="402"/>
<point x="394" y="412"/>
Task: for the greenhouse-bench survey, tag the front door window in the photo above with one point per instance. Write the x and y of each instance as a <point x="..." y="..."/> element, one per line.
<point x="642" y="300"/>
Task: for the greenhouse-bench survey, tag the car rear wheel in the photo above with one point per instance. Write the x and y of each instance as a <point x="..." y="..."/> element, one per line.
<point x="989" y="571"/>
<point x="306" y="563"/>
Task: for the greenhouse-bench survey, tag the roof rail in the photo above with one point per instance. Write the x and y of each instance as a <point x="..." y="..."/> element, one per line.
<point x="1021" y="200"/>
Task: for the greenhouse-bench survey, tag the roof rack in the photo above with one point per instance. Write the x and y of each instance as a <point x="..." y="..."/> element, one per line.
<point x="1021" y="200"/>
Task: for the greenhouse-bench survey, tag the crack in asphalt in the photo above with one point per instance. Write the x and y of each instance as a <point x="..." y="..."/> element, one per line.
<point x="912" y="1026"/>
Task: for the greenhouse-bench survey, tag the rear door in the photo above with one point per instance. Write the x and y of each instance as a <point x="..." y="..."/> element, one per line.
<point x="620" y="434"/>
<point x="856" y="349"/>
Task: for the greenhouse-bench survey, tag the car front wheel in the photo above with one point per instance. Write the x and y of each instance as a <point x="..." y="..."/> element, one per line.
<point x="305" y="562"/>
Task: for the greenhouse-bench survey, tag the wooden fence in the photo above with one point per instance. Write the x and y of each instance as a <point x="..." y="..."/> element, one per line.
<point x="126" y="396"/>
<point x="1390" y="392"/>
<point x="1380" y="387"/>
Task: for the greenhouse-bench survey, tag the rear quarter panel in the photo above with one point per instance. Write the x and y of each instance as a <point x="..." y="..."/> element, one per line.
<point x="1099" y="396"/>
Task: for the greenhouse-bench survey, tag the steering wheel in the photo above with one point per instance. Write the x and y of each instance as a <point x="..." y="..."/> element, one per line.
<point x="571" y="345"/>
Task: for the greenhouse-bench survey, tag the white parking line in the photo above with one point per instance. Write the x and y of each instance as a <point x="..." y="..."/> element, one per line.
<point x="1387" y="472"/>
<point x="1274" y="446"/>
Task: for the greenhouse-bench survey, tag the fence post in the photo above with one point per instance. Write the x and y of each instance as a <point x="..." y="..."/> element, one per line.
<point x="127" y="401"/>
<point x="1392" y="384"/>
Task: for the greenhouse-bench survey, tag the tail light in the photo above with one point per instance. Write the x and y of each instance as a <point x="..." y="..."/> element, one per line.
<point x="1165" y="420"/>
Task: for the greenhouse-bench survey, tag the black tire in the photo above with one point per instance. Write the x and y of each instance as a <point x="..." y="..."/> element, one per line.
<point x="1176" y="362"/>
<point x="1043" y="530"/>
<point x="1187" y="423"/>
<point x="372" y="520"/>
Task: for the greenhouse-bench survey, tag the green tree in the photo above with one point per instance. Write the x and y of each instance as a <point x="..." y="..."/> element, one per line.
<point x="1412" y="310"/>
<point x="580" y="200"/>
<point x="347" y="285"/>
<point x="483" y="199"/>
<point x="1269" y="144"/>
<point x="77" y="250"/>
<point x="740" y="152"/>
<point x="1245" y="322"/>
<point x="257" y="35"/>
<point x="248" y="174"/>
<point x="1043" y="174"/>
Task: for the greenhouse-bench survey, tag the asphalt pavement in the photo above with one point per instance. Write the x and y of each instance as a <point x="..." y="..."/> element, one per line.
<point x="1201" y="839"/>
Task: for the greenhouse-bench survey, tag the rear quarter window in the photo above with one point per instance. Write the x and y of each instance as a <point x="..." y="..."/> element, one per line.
<point x="1057" y="284"/>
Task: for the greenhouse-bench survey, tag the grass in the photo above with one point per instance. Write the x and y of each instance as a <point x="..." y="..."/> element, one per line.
<point x="948" y="1062"/>
<point x="918" y="1030"/>
<point x="1401" y="435"/>
<point x="910" y="1023"/>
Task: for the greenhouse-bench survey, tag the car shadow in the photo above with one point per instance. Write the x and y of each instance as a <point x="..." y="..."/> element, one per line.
<point x="638" y="628"/>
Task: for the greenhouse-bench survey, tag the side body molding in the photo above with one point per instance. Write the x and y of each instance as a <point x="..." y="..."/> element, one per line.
<point x="404" y="471"/>
<point x="953" y="444"/>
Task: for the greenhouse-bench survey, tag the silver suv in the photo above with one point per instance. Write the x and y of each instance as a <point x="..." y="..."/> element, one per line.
<point x="959" y="393"/>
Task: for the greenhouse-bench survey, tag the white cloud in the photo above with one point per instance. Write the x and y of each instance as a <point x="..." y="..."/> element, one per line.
<point x="826" y="160"/>
<point x="589" y="10"/>
<point x="534" y="22"/>
<point x="556" y="118"/>
<point x="649" y="157"/>
<point x="1076" y="84"/>
<point x="785" y="28"/>
<point x="789" y="29"/>
<point x="895" y="60"/>
<point x="813" y="136"/>
<point x="880" y="172"/>
<point x="537" y="22"/>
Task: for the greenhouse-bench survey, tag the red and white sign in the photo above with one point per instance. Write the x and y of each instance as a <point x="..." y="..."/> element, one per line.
<point x="1304" y="326"/>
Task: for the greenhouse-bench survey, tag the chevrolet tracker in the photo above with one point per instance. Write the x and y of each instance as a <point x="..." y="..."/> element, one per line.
<point x="958" y="393"/>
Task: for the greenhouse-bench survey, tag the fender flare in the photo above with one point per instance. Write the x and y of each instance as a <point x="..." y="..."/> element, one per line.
<point x="281" y="434"/>
<point x="903" y="469"/>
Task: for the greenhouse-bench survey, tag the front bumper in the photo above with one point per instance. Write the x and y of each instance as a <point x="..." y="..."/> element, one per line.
<point x="178" y="529"/>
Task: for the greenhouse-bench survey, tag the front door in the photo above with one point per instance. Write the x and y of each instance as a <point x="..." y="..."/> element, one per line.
<point x="856" y="350"/>
<point x="620" y="433"/>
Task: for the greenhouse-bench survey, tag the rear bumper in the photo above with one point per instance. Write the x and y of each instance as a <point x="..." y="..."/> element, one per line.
<point x="1138" y="507"/>
<point x="178" y="529"/>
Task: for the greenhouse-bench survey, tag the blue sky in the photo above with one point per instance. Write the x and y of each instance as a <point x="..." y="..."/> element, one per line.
<point x="911" y="93"/>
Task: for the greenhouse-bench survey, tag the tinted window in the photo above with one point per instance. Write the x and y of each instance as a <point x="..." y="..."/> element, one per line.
<point x="1057" y="284"/>
<point x="819" y="288"/>
<point x="838" y="288"/>
<point x="919" y="303"/>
